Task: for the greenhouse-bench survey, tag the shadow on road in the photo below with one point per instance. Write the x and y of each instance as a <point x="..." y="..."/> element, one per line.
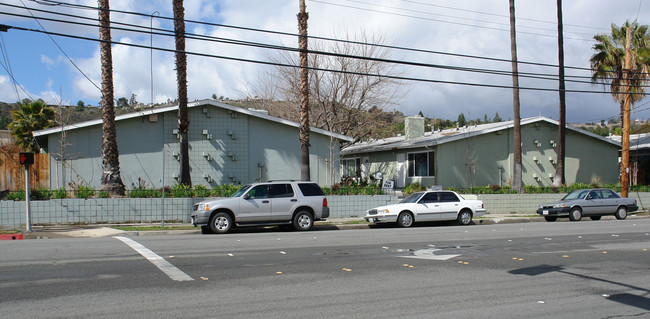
<point x="641" y="302"/>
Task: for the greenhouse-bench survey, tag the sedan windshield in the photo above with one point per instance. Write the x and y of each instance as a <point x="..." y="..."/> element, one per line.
<point x="413" y="198"/>
<point x="579" y="194"/>
<point x="241" y="191"/>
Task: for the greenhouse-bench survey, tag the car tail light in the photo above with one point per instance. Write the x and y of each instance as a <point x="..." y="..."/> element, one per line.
<point x="324" y="202"/>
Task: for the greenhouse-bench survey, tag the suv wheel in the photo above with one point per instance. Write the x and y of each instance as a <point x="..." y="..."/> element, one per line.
<point x="221" y="223"/>
<point x="303" y="221"/>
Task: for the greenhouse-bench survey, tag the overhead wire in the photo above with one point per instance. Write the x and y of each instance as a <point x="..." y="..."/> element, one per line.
<point x="61" y="49"/>
<point x="288" y="65"/>
<point x="149" y="30"/>
<point x="443" y="21"/>
<point x="454" y="17"/>
<point x="53" y="2"/>
<point x="394" y="77"/>
<point x="531" y="75"/>
<point x="501" y="15"/>
<point x="5" y="58"/>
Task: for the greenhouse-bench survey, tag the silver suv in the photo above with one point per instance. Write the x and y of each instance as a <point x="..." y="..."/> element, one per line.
<point x="294" y="203"/>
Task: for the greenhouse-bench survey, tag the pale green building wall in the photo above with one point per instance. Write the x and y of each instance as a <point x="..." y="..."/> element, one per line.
<point x="487" y="159"/>
<point x="226" y="147"/>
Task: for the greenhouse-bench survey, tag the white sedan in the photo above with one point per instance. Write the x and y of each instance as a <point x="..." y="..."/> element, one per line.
<point x="427" y="206"/>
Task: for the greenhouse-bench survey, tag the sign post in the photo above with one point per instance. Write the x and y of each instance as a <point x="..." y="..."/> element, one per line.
<point x="26" y="159"/>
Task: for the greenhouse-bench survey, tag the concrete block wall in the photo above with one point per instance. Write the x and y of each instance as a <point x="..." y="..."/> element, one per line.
<point x="356" y="205"/>
<point x="124" y="210"/>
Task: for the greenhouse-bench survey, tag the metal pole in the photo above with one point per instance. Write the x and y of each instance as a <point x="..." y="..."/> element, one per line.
<point x="155" y="13"/>
<point x="28" y="217"/>
<point x="163" y="169"/>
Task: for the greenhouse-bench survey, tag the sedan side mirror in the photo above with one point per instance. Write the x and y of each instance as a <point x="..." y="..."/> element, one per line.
<point x="247" y="196"/>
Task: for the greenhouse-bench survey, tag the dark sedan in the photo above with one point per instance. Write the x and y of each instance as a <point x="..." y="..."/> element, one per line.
<point x="589" y="202"/>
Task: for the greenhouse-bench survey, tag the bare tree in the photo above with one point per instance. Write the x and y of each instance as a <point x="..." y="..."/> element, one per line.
<point x="347" y="102"/>
<point x="111" y="178"/>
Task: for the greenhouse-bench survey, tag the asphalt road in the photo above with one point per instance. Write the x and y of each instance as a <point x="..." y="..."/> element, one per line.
<point x="582" y="269"/>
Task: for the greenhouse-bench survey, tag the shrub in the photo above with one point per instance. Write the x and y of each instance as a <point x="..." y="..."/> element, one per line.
<point x="180" y="190"/>
<point x="60" y="193"/>
<point x="224" y="190"/>
<point x="41" y="193"/>
<point x="104" y="194"/>
<point x="16" y="195"/>
<point x="144" y="193"/>
<point x="84" y="192"/>
<point x="201" y="191"/>
<point x="412" y="188"/>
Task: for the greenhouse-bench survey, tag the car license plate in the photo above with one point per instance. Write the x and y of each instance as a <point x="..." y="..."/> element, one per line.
<point x="370" y="220"/>
<point x="544" y="212"/>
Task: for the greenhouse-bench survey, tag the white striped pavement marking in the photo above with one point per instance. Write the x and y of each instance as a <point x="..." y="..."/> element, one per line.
<point x="162" y="264"/>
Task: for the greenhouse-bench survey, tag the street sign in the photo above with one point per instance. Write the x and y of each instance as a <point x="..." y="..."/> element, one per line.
<point x="26" y="158"/>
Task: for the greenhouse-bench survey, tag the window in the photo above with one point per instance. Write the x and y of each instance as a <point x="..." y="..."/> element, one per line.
<point x="446" y="197"/>
<point x="421" y="164"/>
<point x="280" y="190"/>
<point x="351" y="167"/>
<point x="310" y="189"/>
<point x="259" y="191"/>
<point x="429" y="198"/>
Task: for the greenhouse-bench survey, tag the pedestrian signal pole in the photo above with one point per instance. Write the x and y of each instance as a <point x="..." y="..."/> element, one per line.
<point x="26" y="159"/>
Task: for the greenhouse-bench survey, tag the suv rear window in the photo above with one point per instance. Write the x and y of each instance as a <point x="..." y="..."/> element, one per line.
<point x="281" y="190"/>
<point x="310" y="189"/>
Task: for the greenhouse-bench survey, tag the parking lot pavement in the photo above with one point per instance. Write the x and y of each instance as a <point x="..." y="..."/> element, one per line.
<point x="105" y="230"/>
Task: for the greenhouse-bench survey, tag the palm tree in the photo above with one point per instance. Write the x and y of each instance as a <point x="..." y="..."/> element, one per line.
<point x="181" y="80"/>
<point x="622" y="62"/>
<point x="516" y="174"/>
<point x="111" y="179"/>
<point x="304" y="93"/>
<point x="608" y="63"/>
<point x="29" y="117"/>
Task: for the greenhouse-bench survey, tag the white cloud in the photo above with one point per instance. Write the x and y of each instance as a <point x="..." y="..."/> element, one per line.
<point x="582" y="18"/>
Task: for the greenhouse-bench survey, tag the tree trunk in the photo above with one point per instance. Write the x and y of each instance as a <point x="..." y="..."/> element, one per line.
<point x="111" y="179"/>
<point x="516" y="174"/>
<point x="559" y="170"/>
<point x="625" y="139"/>
<point x="304" y="93"/>
<point x="181" y="80"/>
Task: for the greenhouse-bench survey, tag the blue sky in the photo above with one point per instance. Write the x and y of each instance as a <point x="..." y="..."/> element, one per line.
<point x="461" y="26"/>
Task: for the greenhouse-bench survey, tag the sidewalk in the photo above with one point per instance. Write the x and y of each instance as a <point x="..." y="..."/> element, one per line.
<point x="107" y="230"/>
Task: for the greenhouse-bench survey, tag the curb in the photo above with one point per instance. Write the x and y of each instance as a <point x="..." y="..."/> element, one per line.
<point x="90" y="232"/>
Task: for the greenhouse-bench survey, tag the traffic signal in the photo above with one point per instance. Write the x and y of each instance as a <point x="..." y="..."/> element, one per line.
<point x="26" y="158"/>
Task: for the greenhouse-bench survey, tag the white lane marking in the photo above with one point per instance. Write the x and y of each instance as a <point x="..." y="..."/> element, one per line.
<point x="429" y="254"/>
<point x="162" y="264"/>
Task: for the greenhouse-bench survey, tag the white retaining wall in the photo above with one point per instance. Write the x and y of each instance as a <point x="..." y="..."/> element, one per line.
<point x="144" y="210"/>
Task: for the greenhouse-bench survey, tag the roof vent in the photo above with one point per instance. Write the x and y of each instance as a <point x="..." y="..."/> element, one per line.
<point x="414" y="127"/>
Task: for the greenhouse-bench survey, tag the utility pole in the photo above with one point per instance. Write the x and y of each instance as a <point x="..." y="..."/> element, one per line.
<point x="559" y="171"/>
<point x="304" y="92"/>
<point x="625" y="140"/>
<point x="516" y="174"/>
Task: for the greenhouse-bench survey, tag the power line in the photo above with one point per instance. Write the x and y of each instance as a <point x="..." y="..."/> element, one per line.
<point x="443" y="21"/>
<point x="53" y="3"/>
<point x="502" y="15"/>
<point x="61" y="49"/>
<point x="454" y="17"/>
<point x="540" y="76"/>
<point x="402" y="78"/>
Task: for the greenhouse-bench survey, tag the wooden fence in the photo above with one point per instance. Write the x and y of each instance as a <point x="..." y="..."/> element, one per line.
<point x="12" y="174"/>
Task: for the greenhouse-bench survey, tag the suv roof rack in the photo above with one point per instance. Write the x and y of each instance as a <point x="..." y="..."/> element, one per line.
<point x="286" y="180"/>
